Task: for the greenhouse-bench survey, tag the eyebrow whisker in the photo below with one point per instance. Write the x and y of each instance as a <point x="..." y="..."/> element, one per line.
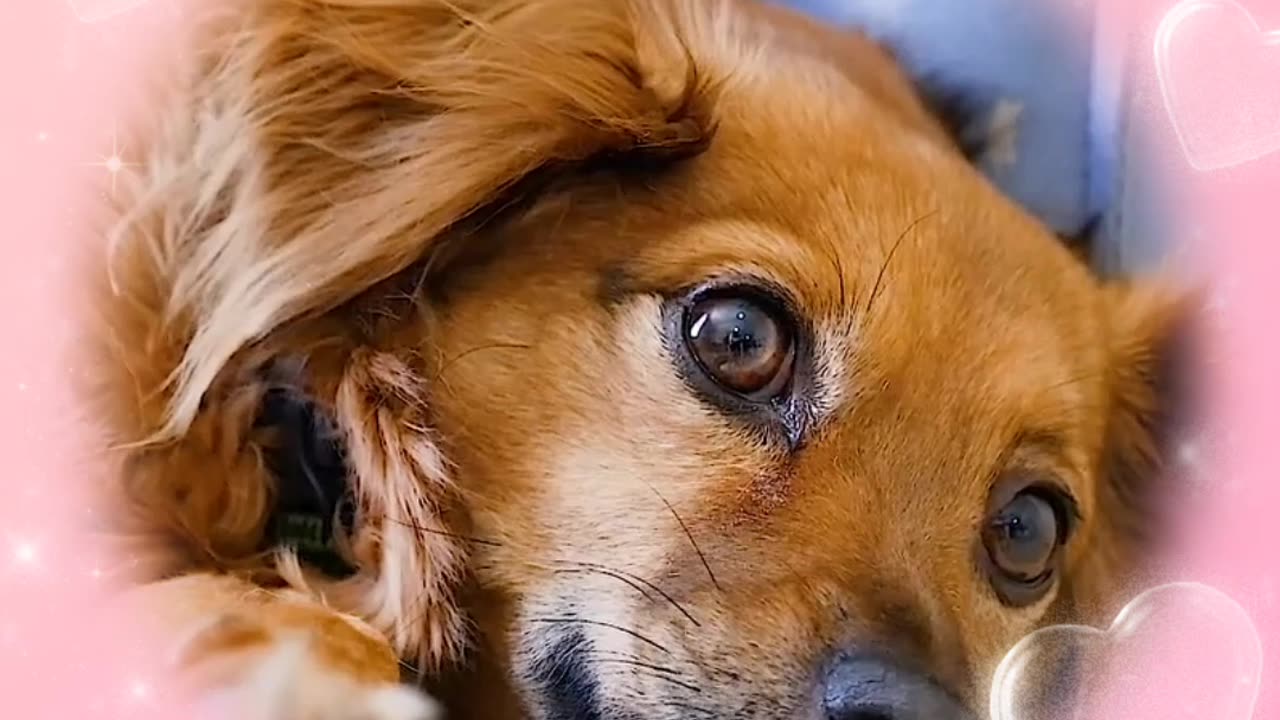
<point x="875" y="289"/>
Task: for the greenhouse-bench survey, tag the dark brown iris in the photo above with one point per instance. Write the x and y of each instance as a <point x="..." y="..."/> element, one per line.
<point x="741" y="343"/>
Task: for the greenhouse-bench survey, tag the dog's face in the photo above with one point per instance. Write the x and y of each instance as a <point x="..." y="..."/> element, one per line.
<point x="813" y="424"/>
<point x="774" y="428"/>
<point x="757" y="401"/>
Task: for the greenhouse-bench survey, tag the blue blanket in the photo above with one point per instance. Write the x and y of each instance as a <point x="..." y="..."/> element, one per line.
<point x="1046" y="118"/>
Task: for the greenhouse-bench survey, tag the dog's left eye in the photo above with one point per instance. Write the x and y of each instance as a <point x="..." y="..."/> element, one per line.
<point x="744" y="344"/>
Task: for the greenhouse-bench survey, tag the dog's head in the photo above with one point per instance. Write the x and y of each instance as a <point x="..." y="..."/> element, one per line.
<point x="673" y="346"/>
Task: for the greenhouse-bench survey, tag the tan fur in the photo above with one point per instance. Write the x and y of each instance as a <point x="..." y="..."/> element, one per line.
<point x="231" y="618"/>
<point x="458" y="221"/>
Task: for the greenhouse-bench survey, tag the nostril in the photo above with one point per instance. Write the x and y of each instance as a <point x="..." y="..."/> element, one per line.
<point x="852" y="709"/>
<point x="871" y="713"/>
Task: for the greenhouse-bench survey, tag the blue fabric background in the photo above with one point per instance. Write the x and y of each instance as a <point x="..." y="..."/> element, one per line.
<point x="1024" y="61"/>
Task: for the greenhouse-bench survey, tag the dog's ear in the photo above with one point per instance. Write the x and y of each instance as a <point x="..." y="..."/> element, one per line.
<point x="321" y="148"/>
<point x="344" y="138"/>
<point x="1154" y="406"/>
<point x="1154" y="396"/>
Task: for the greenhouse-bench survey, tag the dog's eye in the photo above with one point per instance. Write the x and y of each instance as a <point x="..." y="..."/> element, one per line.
<point x="744" y="344"/>
<point x="1022" y="539"/>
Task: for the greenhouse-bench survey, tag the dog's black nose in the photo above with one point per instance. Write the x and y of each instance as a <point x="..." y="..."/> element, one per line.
<point x="869" y="687"/>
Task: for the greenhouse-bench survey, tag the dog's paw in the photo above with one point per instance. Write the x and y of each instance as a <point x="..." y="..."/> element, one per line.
<point x="289" y="683"/>
<point x="244" y="667"/>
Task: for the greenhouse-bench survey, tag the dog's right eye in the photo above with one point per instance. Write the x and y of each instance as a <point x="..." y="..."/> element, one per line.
<point x="1022" y="539"/>
<point x="744" y="344"/>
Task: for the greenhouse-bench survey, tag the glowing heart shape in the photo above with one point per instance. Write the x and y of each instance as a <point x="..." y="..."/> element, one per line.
<point x="92" y="11"/>
<point x="1220" y="77"/>
<point x="1178" y="652"/>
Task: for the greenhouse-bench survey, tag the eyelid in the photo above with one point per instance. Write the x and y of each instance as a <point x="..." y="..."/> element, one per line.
<point x="1048" y="483"/>
<point x="1064" y="503"/>
<point x="1043" y="456"/>
<point x="746" y="280"/>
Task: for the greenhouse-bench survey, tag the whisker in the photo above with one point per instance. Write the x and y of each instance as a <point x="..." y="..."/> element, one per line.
<point x="636" y="663"/>
<point x="668" y="679"/>
<point x="833" y="254"/>
<point x="606" y="573"/>
<point x="699" y="663"/>
<point x="630" y="579"/>
<point x="482" y="348"/>
<point x="687" y="706"/>
<point x="875" y="289"/>
<point x="689" y="535"/>
<point x="437" y="531"/>
<point x="1074" y="380"/>
<point x="600" y="623"/>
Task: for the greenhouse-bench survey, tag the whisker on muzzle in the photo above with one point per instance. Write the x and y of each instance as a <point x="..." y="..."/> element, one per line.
<point x="689" y="534"/>
<point x="601" y="623"/>
<point x="642" y="671"/>
<point x="676" y="704"/>
<point x="634" y="581"/>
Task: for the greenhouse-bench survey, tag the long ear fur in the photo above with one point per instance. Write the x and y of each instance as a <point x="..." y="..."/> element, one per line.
<point x="320" y="147"/>
<point x="1153" y="406"/>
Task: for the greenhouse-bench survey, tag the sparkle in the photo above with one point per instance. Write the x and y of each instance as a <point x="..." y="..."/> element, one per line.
<point x="1222" y="295"/>
<point x="25" y="553"/>
<point x="95" y="573"/>
<point x="114" y="162"/>
<point x="22" y="387"/>
<point x="139" y="690"/>
<point x="1189" y="454"/>
<point x="42" y="136"/>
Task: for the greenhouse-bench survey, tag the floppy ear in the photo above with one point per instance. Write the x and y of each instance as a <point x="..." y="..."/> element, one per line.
<point x="320" y="148"/>
<point x="1153" y="404"/>
<point x="353" y="134"/>
<point x="1153" y="401"/>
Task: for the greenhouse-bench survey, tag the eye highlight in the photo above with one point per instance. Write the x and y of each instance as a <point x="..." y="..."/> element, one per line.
<point x="743" y="343"/>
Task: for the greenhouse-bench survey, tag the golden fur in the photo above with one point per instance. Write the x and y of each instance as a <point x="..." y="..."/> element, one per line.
<point x="459" y="221"/>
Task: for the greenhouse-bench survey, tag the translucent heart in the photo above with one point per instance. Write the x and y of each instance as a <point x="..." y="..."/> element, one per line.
<point x="1217" y="72"/>
<point x="1178" y="652"/>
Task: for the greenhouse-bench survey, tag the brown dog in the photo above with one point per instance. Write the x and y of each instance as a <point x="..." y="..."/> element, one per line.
<point x="681" y="365"/>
